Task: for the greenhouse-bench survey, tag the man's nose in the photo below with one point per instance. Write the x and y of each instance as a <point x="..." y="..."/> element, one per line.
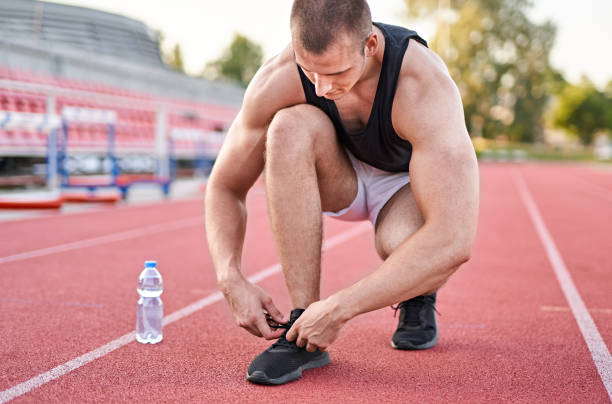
<point x="322" y="85"/>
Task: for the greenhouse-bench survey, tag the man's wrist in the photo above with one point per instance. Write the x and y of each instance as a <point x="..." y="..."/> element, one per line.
<point x="341" y="308"/>
<point x="228" y="279"/>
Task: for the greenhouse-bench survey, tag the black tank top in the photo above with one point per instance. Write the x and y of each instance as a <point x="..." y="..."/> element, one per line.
<point x="378" y="144"/>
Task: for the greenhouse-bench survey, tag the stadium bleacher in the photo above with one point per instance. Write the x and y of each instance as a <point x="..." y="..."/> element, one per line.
<point x="136" y="114"/>
<point x="55" y="56"/>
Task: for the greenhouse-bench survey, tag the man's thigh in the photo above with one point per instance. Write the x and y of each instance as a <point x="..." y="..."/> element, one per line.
<point x="310" y="133"/>
<point x="397" y="220"/>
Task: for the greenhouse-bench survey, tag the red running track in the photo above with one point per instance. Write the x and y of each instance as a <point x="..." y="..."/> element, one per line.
<point x="507" y="331"/>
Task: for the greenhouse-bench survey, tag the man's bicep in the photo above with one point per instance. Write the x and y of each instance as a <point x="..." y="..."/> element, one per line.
<point x="444" y="178"/>
<point x="443" y="167"/>
<point x="240" y="161"/>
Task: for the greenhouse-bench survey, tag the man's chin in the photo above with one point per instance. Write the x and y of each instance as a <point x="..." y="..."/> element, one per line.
<point x="334" y="96"/>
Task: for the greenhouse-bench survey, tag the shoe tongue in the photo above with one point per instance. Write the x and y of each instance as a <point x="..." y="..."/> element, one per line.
<point x="295" y="313"/>
<point x="282" y="342"/>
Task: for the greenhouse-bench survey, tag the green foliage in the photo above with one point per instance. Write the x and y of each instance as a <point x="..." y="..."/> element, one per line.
<point x="499" y="60"/>
<point x="239" y="62"/>
<point x="608" y="90"/>
<point x="584" y="110"/>
<point x="175" y="59"/>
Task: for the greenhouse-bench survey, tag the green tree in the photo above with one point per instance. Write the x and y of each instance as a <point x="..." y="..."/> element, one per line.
<point x="608" y="89"/>
<point x="583" y="110"/>
<point x="239" y="63"/>
<point x="175" y="59"/>
<point x="499" y="60"/>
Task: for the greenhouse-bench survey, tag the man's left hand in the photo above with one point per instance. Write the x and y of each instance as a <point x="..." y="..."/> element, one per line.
<point x="318" y="327"/>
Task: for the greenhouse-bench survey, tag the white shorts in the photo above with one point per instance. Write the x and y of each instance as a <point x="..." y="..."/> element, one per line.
<point x="374" y="188"/>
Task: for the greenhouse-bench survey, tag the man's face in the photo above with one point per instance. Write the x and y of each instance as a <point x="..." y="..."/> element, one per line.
<point x="335" y="71"/>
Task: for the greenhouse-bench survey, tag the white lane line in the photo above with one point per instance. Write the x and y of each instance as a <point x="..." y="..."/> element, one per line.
<point x="110" y="238"/>
<point x="595" y="343"/>
<point x="596" y="189"/>
<point x="84" y="359"/>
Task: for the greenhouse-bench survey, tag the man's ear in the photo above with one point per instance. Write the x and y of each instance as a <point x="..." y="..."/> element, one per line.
<point x="371" y="45"/>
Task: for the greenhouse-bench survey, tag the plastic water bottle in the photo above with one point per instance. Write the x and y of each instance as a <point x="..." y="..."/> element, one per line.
<point x="150" y="307"/>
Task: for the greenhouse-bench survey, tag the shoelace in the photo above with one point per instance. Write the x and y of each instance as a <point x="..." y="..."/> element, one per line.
<point x="412" y="316"/>
<point x="282" y="341"/>
<point x="274" y="324"/>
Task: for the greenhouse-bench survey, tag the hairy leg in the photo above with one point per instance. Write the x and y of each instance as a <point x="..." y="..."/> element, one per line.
<point x="307" y="172"/>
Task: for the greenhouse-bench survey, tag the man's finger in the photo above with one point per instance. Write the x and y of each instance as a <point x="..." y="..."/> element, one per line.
<point x="310" y="347"/>
<point x="273" y="334"/>
<point x="269" y="333"/>
<point x="291" y="334"/>
<point x="266" y="331"/>
<point x="275" y="313"/>
<point x="294" y="331"/>
<point x="253" y="331"/>
<point x="242" y="323"/>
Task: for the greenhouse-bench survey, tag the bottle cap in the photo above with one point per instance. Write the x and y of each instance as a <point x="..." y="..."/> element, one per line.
<point x="150" y="264"/>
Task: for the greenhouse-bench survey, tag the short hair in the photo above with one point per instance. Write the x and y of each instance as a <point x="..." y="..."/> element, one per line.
<point x="316" y="23"/>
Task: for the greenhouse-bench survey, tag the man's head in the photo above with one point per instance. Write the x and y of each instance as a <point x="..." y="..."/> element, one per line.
<point x="315" y="24"/>
<point x="331" y="39"/>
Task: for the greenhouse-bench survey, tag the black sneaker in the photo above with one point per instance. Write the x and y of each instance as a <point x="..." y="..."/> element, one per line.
<point x="417" y="327"/>
<point x="284" y="361"/>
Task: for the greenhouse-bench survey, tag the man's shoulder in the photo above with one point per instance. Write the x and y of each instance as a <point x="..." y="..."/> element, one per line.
<point x="277" y="81"/>
<point x="422" y="72"/>
<point x="424" y="88"/>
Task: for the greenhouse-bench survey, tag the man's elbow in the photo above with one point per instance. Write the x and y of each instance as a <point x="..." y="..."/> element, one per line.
<point x="464" y="256"/>
<point x="459" y="254"/>
<point x="461" y="251"/>
<point x="457" y="245"/>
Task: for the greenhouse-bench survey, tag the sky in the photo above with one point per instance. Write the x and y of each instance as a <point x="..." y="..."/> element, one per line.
<point x="204" y="28"/>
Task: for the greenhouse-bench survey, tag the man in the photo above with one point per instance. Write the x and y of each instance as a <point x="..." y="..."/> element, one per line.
<point x="363" y="122"/>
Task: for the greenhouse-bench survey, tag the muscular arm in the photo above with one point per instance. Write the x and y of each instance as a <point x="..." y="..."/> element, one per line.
<point x="239" y="164"/>
<point x="444" y="181"/>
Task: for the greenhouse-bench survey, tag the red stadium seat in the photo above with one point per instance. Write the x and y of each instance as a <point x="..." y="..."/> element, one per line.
<point x="9" y="103"/>
<point x="135" y="126"/>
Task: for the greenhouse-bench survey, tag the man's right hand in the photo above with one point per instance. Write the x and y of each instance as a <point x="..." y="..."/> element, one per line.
<point x="249" y="303"/>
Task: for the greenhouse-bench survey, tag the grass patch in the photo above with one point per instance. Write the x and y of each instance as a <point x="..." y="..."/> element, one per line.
<point x="492" y="150"/>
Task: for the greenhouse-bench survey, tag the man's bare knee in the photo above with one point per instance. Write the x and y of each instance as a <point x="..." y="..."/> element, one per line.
<point x="293" y="129"/>
<point x="303" y="137"/>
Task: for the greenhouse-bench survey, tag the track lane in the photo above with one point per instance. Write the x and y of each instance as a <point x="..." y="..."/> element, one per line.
<point x="579" y="221"/>
<point x="596" y="175"/>
<point x="88" y="292"/>
<point x="496" y="345"/>
<point x="27" y="235"/>
<point x="64" y="369"/>
<point x="79" y="298"/>
<point x="198" y="355"/>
